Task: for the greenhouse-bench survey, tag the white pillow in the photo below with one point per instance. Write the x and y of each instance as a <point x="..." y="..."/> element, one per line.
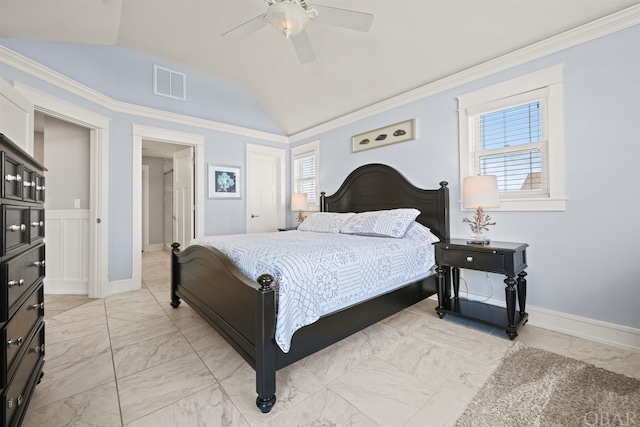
<point x="420" y="233"/>
<point x="389" y="223"/>
<point x="325" y="222"/>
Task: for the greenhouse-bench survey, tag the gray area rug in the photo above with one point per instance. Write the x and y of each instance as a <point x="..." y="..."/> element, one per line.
<point x="533" y="387"/>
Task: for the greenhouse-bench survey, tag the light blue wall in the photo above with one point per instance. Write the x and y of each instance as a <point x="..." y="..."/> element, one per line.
<point x="127" y="76"/>
<point x="221" y="216"/>
<point x="583" y="261"/>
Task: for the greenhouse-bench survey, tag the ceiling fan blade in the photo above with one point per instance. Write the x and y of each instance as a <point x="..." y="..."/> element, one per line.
<point x="350" y="19"/>
<point x="303" y="48"/>
<point x="247" y="28"/>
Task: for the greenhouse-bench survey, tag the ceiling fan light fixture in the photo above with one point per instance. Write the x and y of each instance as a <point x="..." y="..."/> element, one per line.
<point x="287" y="18"/>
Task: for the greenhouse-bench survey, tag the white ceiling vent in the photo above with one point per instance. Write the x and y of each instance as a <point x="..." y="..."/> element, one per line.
<point x="169" y="83"/>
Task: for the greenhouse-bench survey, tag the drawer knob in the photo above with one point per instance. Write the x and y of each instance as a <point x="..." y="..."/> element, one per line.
<point x="17" y="402"/>
<point x="38" y="306"/>
<point x="39" y="263"/>
<point x="13" y="283"/>
<point x="17" y="342"/>
<point x="39" y="349"/>
<point x="470" y="259"/>
<point x="14" y="227"/>
<point x="11" y="178"/>
<point x="37" y="224"/>
<point x="28" y="183"/>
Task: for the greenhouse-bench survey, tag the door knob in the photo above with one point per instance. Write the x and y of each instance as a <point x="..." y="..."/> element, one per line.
<point x="254" y="216"/>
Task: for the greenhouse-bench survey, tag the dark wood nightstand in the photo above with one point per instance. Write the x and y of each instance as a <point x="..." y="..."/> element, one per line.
<point x="505" y="258"/>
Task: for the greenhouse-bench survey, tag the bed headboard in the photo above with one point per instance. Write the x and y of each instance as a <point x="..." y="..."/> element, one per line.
<point x="376" y="187"/>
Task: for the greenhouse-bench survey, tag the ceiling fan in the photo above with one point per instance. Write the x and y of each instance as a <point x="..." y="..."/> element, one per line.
<point x="290" y="17"/>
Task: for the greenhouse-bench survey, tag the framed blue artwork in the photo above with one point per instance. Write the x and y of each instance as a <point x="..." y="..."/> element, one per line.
<point x="225" y="182"/>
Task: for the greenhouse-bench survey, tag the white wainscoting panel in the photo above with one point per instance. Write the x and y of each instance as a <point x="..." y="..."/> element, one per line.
<point x="67" y="251"/>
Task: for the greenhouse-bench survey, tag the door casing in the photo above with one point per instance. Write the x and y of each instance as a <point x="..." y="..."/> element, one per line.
<point x="140" y="132"/>
<point x="98" y="126"/>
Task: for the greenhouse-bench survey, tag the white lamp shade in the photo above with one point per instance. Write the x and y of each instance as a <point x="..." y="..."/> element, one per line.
<point x="299" y="202"/>
<point x="286" y="16"/>
<point x="481" y="190"/>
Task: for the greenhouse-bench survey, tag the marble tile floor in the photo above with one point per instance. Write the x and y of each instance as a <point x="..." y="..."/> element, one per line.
<point x="132" y="360"/>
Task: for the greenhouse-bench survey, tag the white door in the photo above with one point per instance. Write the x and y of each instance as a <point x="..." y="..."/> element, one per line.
<point x="183" y="197"/>
<point x="265" y="189"/>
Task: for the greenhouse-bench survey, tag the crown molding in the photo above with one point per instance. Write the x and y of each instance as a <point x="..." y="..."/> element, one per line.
<point x="39" y="71"/>
<point x="601" y="27"/>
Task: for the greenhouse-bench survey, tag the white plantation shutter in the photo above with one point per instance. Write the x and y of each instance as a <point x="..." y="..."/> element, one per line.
<point x="509" y="139"/>
<point x="304" y="162"/>
<point x="305" y="176"/>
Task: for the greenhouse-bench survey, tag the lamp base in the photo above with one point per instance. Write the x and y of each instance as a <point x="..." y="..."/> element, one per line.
<point x="478" y="239"/>
<point x="478" y="242"/>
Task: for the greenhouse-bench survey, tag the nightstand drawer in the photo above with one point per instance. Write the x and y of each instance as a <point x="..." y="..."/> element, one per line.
<point x="474" y="261"/>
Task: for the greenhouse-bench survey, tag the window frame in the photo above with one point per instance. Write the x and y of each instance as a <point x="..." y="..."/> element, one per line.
<point x="298" y="153"/>
<point x="510" y="93"/>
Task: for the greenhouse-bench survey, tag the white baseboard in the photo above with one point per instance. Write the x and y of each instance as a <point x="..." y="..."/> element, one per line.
<point x="71" y="287"/>
<point x="583" y="327"/>
<point x="121" y="286"/>
<point x="154" y="247"/>
<point x="577" y="326"/>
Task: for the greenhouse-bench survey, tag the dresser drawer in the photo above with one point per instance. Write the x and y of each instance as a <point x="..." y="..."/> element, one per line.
<point x="11" y="177"/>
<point x="17" y="333"/>
<point x="474" y="261"/>
<point x="36" y="224"/>
<point x="15" y="233"/>
<point x="19" y="274"/>
<point x="28" y="184"/>
<point x="17" y="395"/>
<point x="39" y="188"/>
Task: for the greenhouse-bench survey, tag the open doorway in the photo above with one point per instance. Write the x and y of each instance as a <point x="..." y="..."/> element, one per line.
<point x="97" y="226"/>
<point x="58" y="144"/>
<point x="160" y="219"/>
<point x="172" y="142"/>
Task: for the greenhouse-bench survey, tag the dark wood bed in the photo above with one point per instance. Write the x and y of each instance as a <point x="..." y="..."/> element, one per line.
<point x="243" y="311"/>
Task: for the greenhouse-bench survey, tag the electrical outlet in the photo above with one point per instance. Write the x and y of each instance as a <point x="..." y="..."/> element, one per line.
<point x="76" y="203"/>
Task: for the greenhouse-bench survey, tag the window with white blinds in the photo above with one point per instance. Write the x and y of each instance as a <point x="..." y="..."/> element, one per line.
<point x="514" y="130"/>
<point x="304" y="174"/>
<point x="511" y="144"/>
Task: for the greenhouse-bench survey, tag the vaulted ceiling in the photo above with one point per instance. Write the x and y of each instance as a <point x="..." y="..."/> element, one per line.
<point x="410" y="44"/>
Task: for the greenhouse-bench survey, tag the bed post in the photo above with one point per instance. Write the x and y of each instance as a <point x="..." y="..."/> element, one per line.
<point x="444" y="273"/>
<point x="265" y="345"/>
<point x="323" y="202"/>
<point x="175" y="299"/>
<point x="444" y="210"/>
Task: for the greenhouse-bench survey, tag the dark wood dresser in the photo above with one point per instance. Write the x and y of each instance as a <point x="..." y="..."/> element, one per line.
<point x="22" y="270"/>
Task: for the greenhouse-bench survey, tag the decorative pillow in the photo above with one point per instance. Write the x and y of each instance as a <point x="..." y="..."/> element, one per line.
<point x="419" y="232"/>
<point x="390" y="223"/>
<point x="325" y="222"/>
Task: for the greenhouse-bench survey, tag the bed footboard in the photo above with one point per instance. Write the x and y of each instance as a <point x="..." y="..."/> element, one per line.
<point x="241" y="310"/>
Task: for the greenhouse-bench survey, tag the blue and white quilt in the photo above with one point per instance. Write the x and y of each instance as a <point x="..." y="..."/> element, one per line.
<point x="317" y="273"/>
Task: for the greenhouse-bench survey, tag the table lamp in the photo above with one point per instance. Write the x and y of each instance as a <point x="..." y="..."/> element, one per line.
<point x="479" y="192"/>
<point x="299" y="202"/>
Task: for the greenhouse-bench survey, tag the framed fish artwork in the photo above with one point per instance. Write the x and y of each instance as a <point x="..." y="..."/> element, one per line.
<point x="392" y="134"/>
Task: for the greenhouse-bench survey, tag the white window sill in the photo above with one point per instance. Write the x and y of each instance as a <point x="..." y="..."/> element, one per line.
<point x="533" y="205"/>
